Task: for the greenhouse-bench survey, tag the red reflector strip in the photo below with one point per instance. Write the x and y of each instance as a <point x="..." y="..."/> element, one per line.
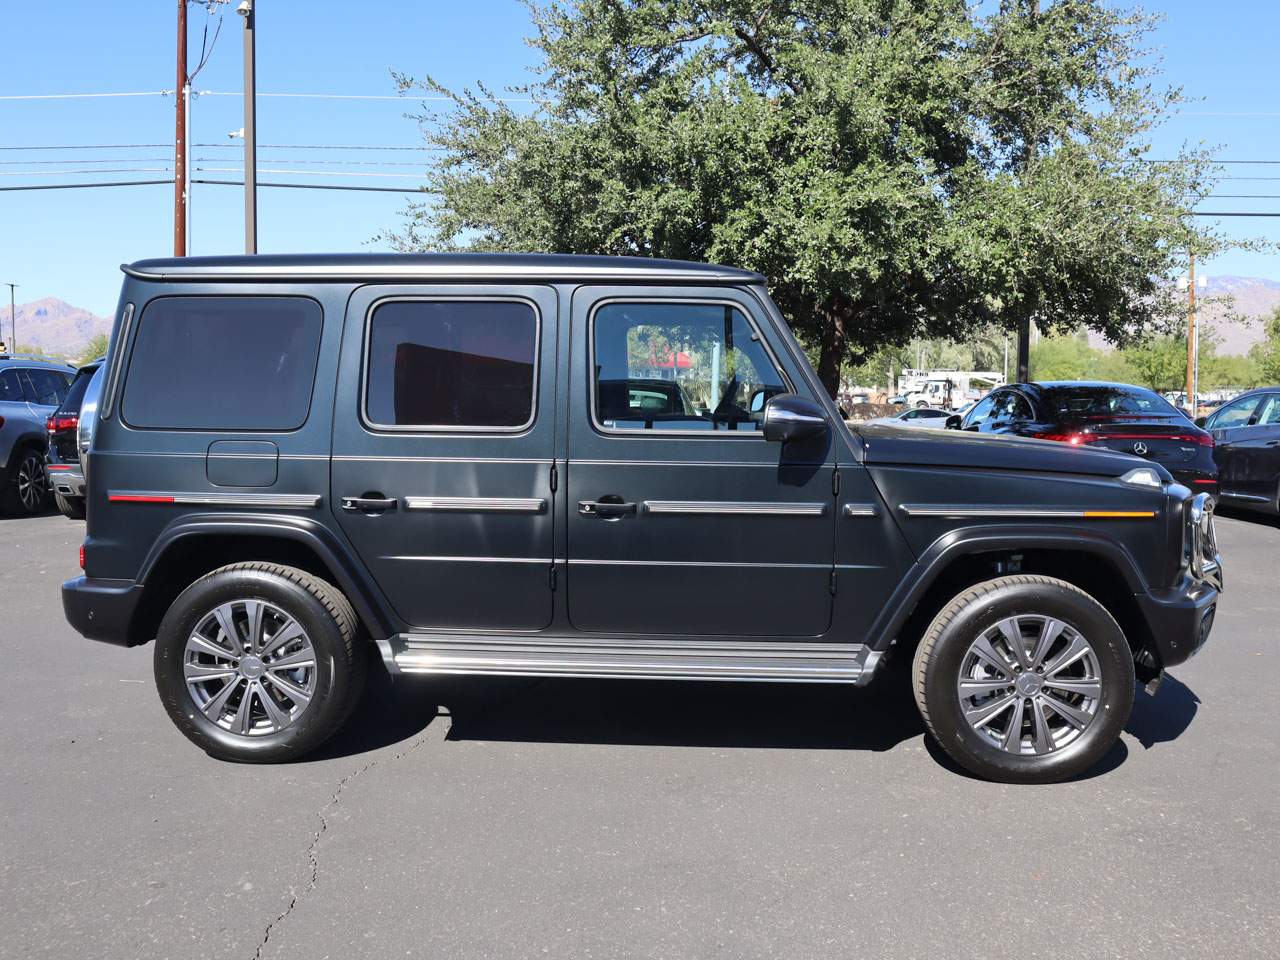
<point x="57" y="466"/>
<point x="1204" y="481"/>
<point x="137" y="498"/>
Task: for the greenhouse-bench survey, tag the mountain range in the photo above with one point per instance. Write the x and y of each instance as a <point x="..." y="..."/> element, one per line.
<point x="1234" y="309"/>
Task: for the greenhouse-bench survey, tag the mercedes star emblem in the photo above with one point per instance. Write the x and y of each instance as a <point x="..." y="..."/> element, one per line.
<point x="1140" y="448"/>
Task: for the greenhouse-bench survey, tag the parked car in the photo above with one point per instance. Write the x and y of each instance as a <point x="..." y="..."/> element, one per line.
<point x="1114" y="416"/>
<point x="31" y="388"/>
<point x="1246" y="434"/>
<point x="917" y="417"/>
<point x="62" y="460"/>
<point x="300" y="458"/>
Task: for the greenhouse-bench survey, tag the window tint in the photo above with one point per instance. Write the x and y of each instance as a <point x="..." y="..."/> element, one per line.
<point x="982" y="411"/>
<point x="1234" y="414"/>
<point x="75" y="396"/>
<point x="705" y="359"/>
<point x="451" y="364"/>
<point x="1269" y="415"/>
<point x="223" y="363"/>
<point x="45" y="387"/>
<point x="1103" y="401"/>
<point x="11" y="386"/>
<point x="1013" y="406"/>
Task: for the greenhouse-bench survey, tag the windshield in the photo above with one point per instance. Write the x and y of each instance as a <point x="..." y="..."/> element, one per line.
<point x="1107" y="401"/>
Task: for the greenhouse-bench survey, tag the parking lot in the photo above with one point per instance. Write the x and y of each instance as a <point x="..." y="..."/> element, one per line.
<point x="513" y="818"/>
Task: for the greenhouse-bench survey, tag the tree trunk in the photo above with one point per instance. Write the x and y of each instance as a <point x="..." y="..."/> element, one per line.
<point x="832" y="346"/>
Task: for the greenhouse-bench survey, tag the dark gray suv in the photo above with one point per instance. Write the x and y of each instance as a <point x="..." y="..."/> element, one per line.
<point x="593" y="467"/>
<point x="31" y="388"/>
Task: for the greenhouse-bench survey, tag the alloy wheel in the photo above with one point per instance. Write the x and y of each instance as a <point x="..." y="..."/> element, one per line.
<point x="1030" y="685"/>
<point x="250" y="667"/>
<point x="31" y="483"/>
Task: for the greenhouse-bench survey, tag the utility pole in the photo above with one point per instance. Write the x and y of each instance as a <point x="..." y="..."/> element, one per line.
<point x="245" y="9"/>
<point x="13" y="317"/>
<point x="182" y="95"/>
<point x="1024" y="316"/>
<point x="1191" y="333"/>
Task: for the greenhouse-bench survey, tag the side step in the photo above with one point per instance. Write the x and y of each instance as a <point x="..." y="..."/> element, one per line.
<point x="729" y="659"/>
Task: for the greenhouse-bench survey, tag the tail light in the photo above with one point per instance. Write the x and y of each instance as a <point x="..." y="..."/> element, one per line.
<point x="56" y="423"/>
<point x="1075" y="439"/>
<point x="82" y="556"/>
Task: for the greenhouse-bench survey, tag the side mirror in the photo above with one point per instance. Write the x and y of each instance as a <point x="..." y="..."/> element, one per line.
<point x="789" y="417"/>
<point x="1200" y="421"/>
<point x="953" y="422"/>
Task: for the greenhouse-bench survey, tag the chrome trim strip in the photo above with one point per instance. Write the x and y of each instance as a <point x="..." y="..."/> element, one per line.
<point x="348" y="458"/>
<point x="547" y="560"/>
<point x="112" y="386"/>
<point x="216" y="499"/>
<point x="956" y="511"/>
<point x="733" y="508"/>
<point x="477" y="504"/>
<point x="697" y="563"/>
<point x="1243" y="496"/>
<point x="769" y="464"/>
<point x="728" y="659"/>
<point x="860" y="510"/>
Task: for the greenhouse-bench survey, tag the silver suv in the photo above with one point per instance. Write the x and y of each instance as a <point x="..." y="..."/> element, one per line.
<point x="31" y="388"/>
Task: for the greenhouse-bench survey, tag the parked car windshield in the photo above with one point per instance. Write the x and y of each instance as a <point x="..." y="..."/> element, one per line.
<point x="1104" y="401"/>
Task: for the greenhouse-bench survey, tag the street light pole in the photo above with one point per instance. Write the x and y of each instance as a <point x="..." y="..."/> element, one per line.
<point x="245" y="9"/>
<point x="13" y="317"/>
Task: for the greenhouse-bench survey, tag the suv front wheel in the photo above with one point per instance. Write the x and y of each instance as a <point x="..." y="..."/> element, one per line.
<point x="1024" y="679"/>
<point x="257" y="662"/>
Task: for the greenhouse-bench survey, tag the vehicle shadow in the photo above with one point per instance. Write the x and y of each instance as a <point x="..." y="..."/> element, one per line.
<point x="1164" y="717"/>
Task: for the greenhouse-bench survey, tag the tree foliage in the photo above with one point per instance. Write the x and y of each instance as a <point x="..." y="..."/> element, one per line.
<point x="96" y="347"/>
<point x="897" y="168"/>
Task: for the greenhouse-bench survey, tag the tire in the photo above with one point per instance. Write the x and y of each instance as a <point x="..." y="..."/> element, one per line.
<point x="333" y="680"/>
<point x="1051" y="746"/>
<point x="70" y="507"/>
<point x="28" y="490"/>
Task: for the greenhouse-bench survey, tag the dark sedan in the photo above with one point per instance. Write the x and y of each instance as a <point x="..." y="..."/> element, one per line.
<point x="1117" y="416"/>
<point x="1246" y="432"/>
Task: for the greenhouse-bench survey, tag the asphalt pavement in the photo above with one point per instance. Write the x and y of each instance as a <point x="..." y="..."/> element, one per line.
<point x="472" y="818"/>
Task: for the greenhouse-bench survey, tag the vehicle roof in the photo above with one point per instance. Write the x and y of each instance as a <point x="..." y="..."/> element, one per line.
<point x="21" y="359"/>
<point x="413" y="266"/>
<point x="1044" y="385"/>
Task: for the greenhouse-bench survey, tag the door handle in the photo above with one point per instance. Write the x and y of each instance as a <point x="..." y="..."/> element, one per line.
<point x="368" y="504"/>
<point x="609" y="509"/>
<point x="1273" y="443"/>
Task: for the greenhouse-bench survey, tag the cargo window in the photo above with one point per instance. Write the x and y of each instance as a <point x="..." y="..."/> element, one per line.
<point x="697" y="367"/>
<point x="223" y="363"/>
<point x="451" y="365"/>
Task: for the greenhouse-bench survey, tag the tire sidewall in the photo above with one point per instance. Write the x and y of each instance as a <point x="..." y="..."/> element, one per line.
<point x="323" y="713"/>
<point x="1080" y="612"/>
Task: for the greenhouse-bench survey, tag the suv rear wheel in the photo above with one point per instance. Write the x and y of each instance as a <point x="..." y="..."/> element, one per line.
<point x="1024" y="679"/>
<point x="70" y="507"/>
<point x="28" y="486"/>
<point x="257" y="662"/>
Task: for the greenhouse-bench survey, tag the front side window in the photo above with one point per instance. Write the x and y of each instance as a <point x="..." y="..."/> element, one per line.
<point x="982" y="412"/>
<point x="451" y="364"/>
<point x="223" y="363"/>
<point x="1234" y="414"/>
<point x="680" y="366"/>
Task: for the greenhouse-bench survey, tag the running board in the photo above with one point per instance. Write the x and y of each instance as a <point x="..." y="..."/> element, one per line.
<point x="630" y="659"/>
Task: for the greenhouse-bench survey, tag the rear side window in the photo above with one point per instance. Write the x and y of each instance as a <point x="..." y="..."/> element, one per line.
<point x="223" y="363"/>
<point x="11" y="386"/>
<point x="47" y="388"/>
<point x="451" y="364"/>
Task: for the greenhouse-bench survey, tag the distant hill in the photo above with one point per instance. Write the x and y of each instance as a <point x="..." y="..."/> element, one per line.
<point x="54" y="326"/>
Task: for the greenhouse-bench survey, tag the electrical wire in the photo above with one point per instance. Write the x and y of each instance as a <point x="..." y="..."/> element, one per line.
<point x="82" y="186"/>
<point x="58" y="173"/>
<point x="318" y="186"/>
<point x="304" y="173"/>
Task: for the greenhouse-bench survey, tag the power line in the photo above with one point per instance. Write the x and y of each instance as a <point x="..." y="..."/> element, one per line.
<point x="305" y="173"/>
<point x="1231" y="213"/>
<point x="359" y="96"/>
<point x="318" y="186"/>
<point x="84" y="96"/>
<point x="83" y="186"/>
<point x="11" y="163"/>
<point x="346" y="163"/>
<point x="93" y="146"/>
<point x="312" y="146"/>
<point x="58" y="173"/>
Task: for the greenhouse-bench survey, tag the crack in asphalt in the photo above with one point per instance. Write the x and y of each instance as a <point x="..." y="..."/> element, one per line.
<point x="313" y="859"/>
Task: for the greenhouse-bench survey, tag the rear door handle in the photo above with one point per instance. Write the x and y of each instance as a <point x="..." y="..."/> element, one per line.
<point x="368" y="504"/>
<point x="605" y="508"/>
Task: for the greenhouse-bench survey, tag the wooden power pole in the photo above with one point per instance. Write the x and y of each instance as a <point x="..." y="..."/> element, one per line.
<point x="180" y="139"/>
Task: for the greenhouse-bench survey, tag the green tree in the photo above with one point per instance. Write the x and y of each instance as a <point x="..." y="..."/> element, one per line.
<point x="1266" y="355"/>
<point x="96" y="347"/>
<point x="896" y="168"/>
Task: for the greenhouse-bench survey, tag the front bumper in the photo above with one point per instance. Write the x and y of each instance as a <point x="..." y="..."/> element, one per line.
<point x="102" y="609"/>
<point x="1180" y="618"/>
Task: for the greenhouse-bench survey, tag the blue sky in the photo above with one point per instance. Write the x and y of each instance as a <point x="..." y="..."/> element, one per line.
<point x="69" y="243"/>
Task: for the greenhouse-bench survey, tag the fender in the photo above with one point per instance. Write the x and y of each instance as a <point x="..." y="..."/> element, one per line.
<point x="965" y="541"/>
<point x="364" y="596"/>
<point x="28" y="439"/>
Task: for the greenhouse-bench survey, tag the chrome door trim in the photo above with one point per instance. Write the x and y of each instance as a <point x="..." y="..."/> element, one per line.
<point x="860" y="510"/>
<point x="955" y="511"/>
<point x="733" y="508"/>
<point x="476" y="504"/>
<point x="215" y="499"/>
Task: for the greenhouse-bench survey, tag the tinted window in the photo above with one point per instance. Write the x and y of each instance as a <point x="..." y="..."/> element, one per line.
<point x="1106" y="401"/>
<point x="223" y="363"/>
<point x="710" y="360"/>
<point x="981" y="412"/>
<point x="1269" y="415"/>
<point x="451" y="364"/>
<point x="931" y="414"/>
<point x="1013" y="406"/>
<point x="45" y="387"/>
<point x="1234" y="414"/>
<point x="11" y="386"/>
<point x="75" y="396"/>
